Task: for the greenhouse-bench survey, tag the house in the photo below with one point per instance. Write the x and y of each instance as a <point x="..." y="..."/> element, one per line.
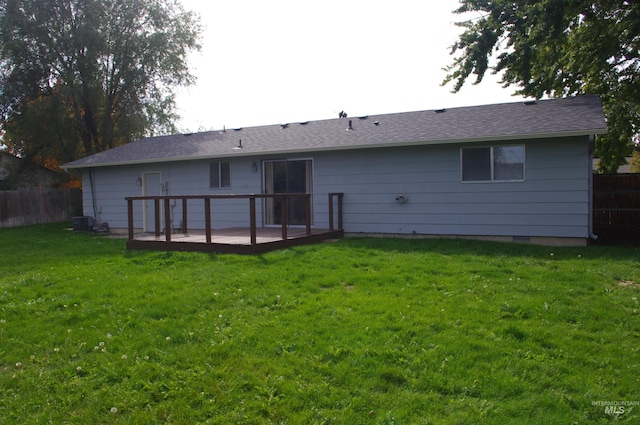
<point x="517" y="171"/>
<point x="623" y="169"/>
<point x="17" y="173"/>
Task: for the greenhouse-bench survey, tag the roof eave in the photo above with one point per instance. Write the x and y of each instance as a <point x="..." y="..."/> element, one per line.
<point x="491" y="138"/>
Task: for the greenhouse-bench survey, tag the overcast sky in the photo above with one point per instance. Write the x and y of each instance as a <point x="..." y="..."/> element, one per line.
<point x="280" y="61"/>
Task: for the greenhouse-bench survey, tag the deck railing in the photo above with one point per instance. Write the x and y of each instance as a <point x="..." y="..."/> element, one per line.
<point x="207" y="199"/>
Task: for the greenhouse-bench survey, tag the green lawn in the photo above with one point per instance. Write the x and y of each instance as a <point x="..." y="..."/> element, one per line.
<point x="362" y="331"/>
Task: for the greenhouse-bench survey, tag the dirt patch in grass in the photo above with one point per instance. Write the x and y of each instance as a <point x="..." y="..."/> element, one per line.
<point x="629" y="284"/>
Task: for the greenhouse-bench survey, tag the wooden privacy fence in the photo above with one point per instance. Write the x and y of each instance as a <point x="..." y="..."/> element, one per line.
<point x="26" y="207"/>
<point x="616" y="206"/>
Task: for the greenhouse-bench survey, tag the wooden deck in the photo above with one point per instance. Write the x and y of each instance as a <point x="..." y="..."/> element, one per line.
<point x="239" y="240"/>
<point x="232" y="240"/>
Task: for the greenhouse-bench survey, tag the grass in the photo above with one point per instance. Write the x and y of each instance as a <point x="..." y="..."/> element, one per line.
<point x="363" y="331"/>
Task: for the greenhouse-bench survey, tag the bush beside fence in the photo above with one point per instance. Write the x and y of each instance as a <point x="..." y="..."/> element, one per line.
<point x="26" y="207"/>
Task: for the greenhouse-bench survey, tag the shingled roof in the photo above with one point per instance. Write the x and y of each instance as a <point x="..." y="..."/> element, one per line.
<point x="581" y="115"/>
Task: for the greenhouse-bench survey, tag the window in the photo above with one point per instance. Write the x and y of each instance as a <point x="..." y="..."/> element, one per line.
<point x="219" y="175"/>
<point x="495" y="163"/>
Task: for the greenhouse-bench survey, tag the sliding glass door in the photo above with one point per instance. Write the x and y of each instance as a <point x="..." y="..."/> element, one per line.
<point x="287" y="176"/>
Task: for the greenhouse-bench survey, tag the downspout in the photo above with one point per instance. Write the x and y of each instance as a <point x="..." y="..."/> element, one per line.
<point x="93" y="195"/>
<point x="591" y="150"/>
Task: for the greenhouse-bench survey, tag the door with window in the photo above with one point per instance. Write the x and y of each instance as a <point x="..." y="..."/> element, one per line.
<point x="287" y="176"/>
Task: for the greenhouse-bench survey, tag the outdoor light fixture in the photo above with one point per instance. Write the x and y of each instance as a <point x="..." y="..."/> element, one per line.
<point x="254" y="167"/>
<point x="138" y="181"/>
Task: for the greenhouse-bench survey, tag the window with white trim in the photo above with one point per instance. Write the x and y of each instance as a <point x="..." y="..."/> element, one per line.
<point x="220" y="175"/>
<point x="492" y="163"/>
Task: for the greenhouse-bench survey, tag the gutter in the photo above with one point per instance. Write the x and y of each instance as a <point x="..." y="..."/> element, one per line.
<point x="591" y="150"/>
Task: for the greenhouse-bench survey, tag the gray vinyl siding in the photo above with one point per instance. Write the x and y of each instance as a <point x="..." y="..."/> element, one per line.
<point x="553" y="199"/>
<point x="114" y="184"/>
<point x="109" y="187"/>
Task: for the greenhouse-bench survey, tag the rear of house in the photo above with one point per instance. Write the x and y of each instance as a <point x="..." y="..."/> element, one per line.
<point x="519" y="171"/>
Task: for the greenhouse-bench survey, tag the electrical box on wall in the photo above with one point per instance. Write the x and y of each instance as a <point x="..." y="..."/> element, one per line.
<point x="402" y="198"/>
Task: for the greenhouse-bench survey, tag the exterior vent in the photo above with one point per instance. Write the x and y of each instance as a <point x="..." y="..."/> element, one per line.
<point x="521" y="239"/>
<point x="439" y="111"/>
<point x="237" y="129"/>
<point x="366" y="117"/>
<point x="530" y="102"/>
<point x="284" y="125"/>
<point x="304" y="123"/>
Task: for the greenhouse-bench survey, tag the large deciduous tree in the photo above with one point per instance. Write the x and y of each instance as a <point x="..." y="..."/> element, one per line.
<point x="81" y="76"/>
<point x="559" y="48"/>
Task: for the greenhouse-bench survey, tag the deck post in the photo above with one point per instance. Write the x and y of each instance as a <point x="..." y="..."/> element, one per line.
<point x="284" y="217"/>
<point x="307" y="210"/>
<point x="130" y="217"/>
<point x="252" y="219"/>
<point x="237" y="243"/>
<point x="340" y="195"/>
<point x="184" y="215"/>
<point x="167" y="219"/>
<point x="331" y="212"/>
<point x="207" y="219"/>
<point x="156" y="207"/>
<point x="156" y="215"/>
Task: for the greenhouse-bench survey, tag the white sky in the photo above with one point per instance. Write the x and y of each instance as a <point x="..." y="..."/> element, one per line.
<point x="279" y="61"/>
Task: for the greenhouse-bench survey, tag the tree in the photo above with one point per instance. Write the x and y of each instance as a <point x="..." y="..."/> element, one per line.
<point x="559" y="48"/>
<point x="82" y="76"/>
<point x="635" y="162"/>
